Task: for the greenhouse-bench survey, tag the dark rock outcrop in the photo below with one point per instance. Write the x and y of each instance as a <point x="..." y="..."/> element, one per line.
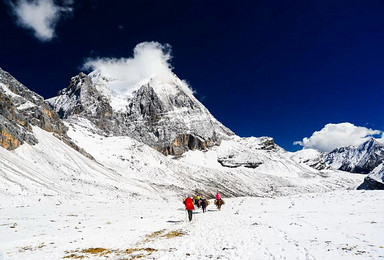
<point x="371" y="184"/>
<point x="187" y="142"/>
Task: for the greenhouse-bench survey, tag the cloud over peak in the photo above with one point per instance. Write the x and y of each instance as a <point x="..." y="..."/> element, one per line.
<point x="337" y="135"/>
<point x="41" y="16"/>
<point x="150" y="60"/>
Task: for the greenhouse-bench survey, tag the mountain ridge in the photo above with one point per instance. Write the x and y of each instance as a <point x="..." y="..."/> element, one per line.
<point x="121" y="165"/>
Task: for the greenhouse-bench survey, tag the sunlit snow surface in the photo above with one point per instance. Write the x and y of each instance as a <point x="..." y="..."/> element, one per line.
<point x="55" y="203"/>
<point x="336" y="225"/>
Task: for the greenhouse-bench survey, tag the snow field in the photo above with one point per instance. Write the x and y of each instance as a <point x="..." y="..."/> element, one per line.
<point x="336" y="225"/>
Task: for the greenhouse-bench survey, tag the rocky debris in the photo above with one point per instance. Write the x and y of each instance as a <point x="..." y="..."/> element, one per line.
<point x="161" y="115"/>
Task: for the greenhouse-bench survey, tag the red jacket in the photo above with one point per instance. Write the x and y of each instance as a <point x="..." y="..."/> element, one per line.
<point x="189" y="204"/>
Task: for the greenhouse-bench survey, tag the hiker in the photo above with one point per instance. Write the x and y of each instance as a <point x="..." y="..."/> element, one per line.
<point x="219" y="201"/>
<point x="197" y="200"/>
<point x="204" y="204"/>
<point x="189" y="207"/>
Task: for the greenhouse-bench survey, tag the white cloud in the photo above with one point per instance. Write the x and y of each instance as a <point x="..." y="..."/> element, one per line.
<point x="337" y="135"/>
<point x="150" y="60"/>
<point x="41" y="16"/>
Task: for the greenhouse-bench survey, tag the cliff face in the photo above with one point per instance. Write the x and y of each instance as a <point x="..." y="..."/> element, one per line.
<point x="20" y="109"/>
<point x="164" y="115"/>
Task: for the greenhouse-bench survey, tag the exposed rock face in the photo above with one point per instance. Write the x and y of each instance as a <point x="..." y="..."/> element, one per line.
<point x="20" y="109"/>
<point x="163" y="115"/>
<point x="371" y="184"/>
<point x="361" y="159"/>
<point x="187" y="142"/>
<point x="374" y="180"/>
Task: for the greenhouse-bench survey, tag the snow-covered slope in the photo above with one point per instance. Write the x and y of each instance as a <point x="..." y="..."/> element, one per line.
<point x="162" y="114"/>
<point x="311" y="157"/>
<point x="124" y="168"/>
<point x="52" y="168"/>
<point x="257" y="171"/>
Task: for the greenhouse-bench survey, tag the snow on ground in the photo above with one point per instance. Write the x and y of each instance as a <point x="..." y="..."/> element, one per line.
<point x="55" y="203"/>
<point x="336" y="225"/>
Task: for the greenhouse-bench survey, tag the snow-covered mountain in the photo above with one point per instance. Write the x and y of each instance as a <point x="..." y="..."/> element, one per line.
<point x="358" y="159"/>
<point x="163" y="114"/>
<point x="119" y="134"/>
<point x="366" y="158"/>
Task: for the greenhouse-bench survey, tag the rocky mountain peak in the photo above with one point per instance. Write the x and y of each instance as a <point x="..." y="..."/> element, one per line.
<point x="369" y="145"/>
<point x="162" y="114"/>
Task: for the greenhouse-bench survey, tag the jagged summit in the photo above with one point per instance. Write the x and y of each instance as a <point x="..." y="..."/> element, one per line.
<point x="357" y="159"/>
<point x="360" y="159"/>
<point x="161" y="113"/>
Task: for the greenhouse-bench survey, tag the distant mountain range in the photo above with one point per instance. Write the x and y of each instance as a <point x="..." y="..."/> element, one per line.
<point x="155" y="138"/>
<point x="366" y="158"/>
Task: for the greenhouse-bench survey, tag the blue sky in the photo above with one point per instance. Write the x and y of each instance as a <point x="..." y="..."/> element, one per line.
<point x="278" y="68"/>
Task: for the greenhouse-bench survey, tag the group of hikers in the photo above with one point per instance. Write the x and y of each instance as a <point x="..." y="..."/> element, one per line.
<point x="190" y="202"/>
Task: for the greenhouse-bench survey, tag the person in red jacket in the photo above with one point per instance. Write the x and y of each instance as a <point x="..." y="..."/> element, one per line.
<point x="189" y="207"/>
